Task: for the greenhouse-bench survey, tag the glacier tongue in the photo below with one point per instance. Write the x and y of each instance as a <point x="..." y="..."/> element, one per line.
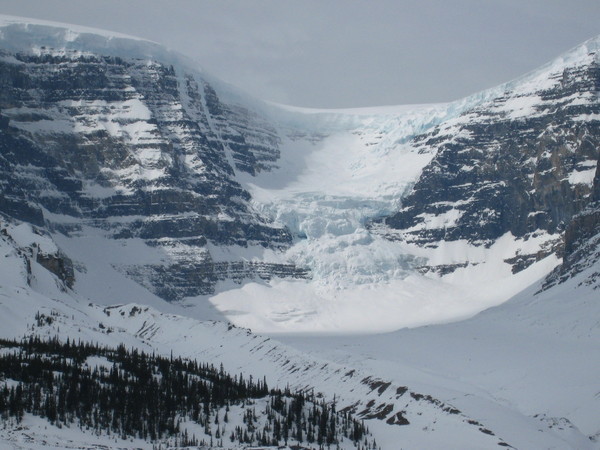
<point x="331" y="182"/>
<point x="327" y="205"/>
<point x="343" y="173"/>
<point x="334" y="176"/>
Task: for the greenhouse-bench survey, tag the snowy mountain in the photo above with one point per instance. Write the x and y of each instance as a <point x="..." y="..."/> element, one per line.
<point x="132" y="149"/>
<point x="461" y="205"/>
<point x="144" y="202"/>
<point x="582" y="245"/>
<point x="147" y="171"/>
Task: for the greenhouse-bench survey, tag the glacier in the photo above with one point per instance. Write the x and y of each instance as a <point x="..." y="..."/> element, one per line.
<point x="337" y="173"/>
<point x="522" y="373"/>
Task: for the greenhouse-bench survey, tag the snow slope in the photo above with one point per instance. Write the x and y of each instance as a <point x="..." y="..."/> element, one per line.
<point x="532" y="360"/>
<point x="33" y="301"/>
<point x="525" y="373"/>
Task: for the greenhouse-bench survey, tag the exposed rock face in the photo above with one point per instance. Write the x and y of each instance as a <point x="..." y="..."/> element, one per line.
<point x="60" y="265"/>
<point x="584" y="225"/>
<point x="38" y="247"/>
<point x="192" y="279"/>
<point x="521" y="162"/>
<point x="110" y="138"/>
<point x="254" y="142"/>
<point x="582" y="243"/>
<point x="135" y="148"/>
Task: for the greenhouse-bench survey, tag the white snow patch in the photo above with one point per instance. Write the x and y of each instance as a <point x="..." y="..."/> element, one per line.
<point x="582" y="176"/>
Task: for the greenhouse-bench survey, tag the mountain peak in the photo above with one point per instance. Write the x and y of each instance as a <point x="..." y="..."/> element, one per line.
<point x="46" y="28"/>
<point x="19" y="34"/>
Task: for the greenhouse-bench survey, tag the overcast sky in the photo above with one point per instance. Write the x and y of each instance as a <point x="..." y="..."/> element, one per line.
<point x="345" y="53"/>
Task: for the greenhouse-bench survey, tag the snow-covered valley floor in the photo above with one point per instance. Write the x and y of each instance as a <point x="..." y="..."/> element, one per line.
<point x="532" y="361"/>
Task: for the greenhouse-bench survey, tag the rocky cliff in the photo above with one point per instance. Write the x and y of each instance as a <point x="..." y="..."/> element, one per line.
<point x="519" y="162"/>
<point x="152" y="177"/>
<point x="133" y="148"/>
<point x="582" y="244"/>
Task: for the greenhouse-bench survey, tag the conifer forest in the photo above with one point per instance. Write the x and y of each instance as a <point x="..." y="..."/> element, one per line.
<point x="169" y="401"/>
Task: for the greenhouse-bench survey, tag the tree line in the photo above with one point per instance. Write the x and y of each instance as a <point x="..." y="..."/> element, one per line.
<point x="133" y="394"/>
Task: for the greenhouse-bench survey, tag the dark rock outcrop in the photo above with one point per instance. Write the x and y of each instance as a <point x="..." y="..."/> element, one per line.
<point x="582" y="244"/>
<point x="137" y="149"/>
<point x="200" y="278"/>
<point x="60" y="265"/>
<point x="517" y="163"/>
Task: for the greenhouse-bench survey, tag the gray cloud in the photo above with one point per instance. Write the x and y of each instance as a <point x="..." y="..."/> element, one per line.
<point x="344" y="53"/>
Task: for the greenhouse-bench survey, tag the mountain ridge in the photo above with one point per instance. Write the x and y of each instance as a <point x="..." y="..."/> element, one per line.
<point x="283" y="195"/>
<point x="139" y="200"/>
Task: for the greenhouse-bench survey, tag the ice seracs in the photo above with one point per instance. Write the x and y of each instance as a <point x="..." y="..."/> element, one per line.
<point x="139" y="198"/>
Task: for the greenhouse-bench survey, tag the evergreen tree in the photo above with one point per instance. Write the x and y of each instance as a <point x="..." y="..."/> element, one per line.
<point x="151" y="397"/>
